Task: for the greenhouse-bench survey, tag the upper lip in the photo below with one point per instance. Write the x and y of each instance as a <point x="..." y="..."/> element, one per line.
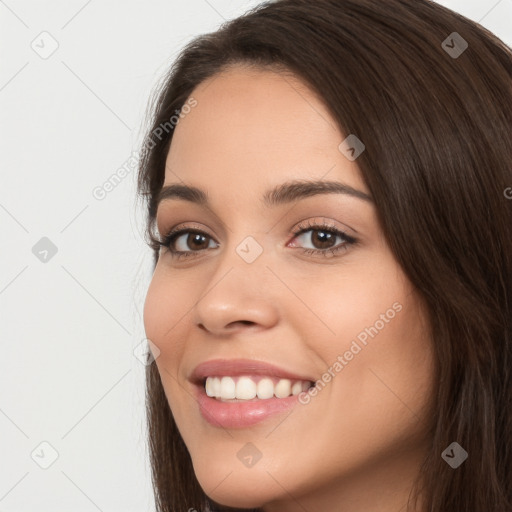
<point x="236" y="367"/>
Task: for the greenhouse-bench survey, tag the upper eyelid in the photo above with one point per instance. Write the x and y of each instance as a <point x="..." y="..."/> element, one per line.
<point x="313" y="221"/>
<point x="302" y="226"/>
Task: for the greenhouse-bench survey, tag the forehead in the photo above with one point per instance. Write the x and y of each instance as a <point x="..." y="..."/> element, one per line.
<point x="255" y="128"/>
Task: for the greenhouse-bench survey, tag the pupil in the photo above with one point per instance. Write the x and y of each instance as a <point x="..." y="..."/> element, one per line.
<point x="324" y="238"/>
<point x="197" y="238"/>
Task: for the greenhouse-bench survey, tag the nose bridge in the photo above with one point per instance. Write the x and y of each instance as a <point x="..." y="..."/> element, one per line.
<point x="247" y="239"/>
<point x="239" y="290"/>
<point x="247" y="248"/>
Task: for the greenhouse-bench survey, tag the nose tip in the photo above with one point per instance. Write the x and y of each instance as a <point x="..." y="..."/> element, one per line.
<point x="236" y="303"/>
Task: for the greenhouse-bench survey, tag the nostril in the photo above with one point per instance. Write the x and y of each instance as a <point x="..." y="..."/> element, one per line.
<point x="244" y="322"/>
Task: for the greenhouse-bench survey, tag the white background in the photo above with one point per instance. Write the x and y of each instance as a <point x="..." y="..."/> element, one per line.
<point x="69" y="326"/>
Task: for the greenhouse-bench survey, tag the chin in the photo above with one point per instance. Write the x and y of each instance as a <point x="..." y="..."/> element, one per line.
<point x="244" y="488"/>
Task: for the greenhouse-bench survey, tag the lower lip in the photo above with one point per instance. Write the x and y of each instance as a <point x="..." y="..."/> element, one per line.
<point x="241" y="414"/>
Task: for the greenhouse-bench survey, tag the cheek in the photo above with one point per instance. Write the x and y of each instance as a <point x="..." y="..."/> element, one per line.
<point x="344" y="304"/>
<point x="154" y="307"/>
<point x="166" y="303"/>
<point x="163" y="315"/>
<point x="388" y="381"/>
<point x="371" y="334"/>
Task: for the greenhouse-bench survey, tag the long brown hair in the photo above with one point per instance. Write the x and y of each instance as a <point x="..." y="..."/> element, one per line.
<point x="436" y="119"/>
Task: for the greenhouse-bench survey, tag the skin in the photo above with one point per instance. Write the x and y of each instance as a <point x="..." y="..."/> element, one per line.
<point x="357" y="445"/>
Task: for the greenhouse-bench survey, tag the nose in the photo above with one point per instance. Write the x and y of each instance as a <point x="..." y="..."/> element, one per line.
<point x="241" y="297"/>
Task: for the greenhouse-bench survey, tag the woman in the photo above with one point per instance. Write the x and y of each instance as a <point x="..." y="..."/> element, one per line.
<point x="331" y="300"/>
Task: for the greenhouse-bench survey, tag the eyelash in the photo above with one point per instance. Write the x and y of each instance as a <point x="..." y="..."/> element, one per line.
<point x="171" y="237"/>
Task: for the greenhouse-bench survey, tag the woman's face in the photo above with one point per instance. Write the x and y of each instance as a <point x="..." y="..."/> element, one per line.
<point x="316" y="306"/>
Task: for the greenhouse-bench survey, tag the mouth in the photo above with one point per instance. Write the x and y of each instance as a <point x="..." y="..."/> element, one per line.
<point x="241" y="393"/>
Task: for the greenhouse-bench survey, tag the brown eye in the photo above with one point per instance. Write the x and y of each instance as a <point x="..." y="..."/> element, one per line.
<point x="192" y="240"/>
<point x="323" y="239"/>
<point x="186" y="240"/>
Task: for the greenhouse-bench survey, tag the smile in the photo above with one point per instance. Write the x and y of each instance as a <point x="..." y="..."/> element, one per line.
<point x="253" y="387"/>
<point x="239" y="393"/>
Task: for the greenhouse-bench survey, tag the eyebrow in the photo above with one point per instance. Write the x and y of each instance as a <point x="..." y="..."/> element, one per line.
<point x="282" y="194"/>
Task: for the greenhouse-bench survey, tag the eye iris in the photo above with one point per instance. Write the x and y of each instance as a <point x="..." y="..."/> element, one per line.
<point x="323" y="239"/>
<point x="196" y="238"/>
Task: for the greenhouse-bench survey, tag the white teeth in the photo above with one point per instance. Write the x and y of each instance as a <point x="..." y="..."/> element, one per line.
<point x="265" y="388"/>
<point x="227" y="388"/>
<point x="209" y="387"/>
<point x="216" y="386"/>
<point x="297" y="387"/>
<point x="283" y="388"/>
<point x="246" y="388"/>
